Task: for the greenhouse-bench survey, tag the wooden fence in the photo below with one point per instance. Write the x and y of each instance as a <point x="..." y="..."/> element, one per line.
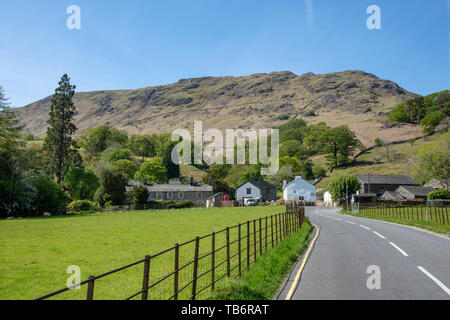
<point x="199" y="264"/>
<point x="436" y="214"/>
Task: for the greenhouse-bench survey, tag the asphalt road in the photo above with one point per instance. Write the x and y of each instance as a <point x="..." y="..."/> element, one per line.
<point x="413" y="264"/>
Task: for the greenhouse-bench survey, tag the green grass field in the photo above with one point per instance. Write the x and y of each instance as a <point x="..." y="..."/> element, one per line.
<point x="412" y="216"/>
<point x="36" y="252"/>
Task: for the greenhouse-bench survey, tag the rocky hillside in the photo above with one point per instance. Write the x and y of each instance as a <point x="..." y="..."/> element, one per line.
<point x="355" y="98"/>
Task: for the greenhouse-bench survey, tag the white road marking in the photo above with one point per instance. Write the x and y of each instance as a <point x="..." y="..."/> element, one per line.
<point x="436" y="280"/>
<point x="364" y="227"/>
<point x="399" y="249"/>
<point x="350" y="222"/>
<point x="379" y="235"/>
<point x="339" y="219"/>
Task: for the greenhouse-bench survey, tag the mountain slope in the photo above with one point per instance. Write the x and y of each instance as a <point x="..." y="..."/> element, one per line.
<point x="356" y="98"/>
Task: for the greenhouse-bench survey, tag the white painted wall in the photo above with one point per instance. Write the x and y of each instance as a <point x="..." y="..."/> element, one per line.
<point x="327" y="199"/>
<point x="299" y="188"/>
<point x="241" y="192"/>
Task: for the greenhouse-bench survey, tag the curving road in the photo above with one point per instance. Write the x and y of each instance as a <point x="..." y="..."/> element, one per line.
<point x="412" y="264"/>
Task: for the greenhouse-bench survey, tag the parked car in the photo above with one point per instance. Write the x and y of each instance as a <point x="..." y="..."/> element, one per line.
<point x="249" y="202"/>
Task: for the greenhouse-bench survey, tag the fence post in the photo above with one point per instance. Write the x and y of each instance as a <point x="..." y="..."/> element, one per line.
<point x="145" y="278"/>
<point x="248" y="243"/>
<point x="239" y="249"/>
<point x="426" y="213"/>
<point x="228" y="252"/>
<point x="175" y="275"/>
<point x="195" y="273"/>
<point x="271" y="229"/>
<point x="213" y="259"/>
<point x="266" y="234"/>
<point x="90" y="289"/>
<point x="260" y="236"/>
<point x="254" y="239"/>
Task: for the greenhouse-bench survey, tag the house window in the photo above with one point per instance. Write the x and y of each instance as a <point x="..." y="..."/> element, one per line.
<point x="199" y="195"/>
<point x="249" y="190"/>
<point x="180" y="195"/>
<point x="294" y="191"/>
<point x="152" y="195"/>
<point x="159" y="195"/>
<point x="169" y="195"/>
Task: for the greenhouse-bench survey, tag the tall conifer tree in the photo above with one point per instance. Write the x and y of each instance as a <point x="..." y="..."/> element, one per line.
<point x="61" y="148"/>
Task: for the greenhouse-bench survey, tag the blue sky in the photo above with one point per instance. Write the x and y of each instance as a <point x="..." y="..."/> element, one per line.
<point x="135" y="44"/>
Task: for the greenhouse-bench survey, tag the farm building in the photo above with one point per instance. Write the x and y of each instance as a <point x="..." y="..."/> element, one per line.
<point x="256" y="189"/>
<point x="379" y="184"/>
<point x="299" y="189"/>
<point x="435" y="184"/>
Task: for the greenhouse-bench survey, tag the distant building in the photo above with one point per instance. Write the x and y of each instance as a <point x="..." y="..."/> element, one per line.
<point x="195" y="192"/>
<point x="407" y="193"/>
<point x="414" y="193"/>
<point x="299" y="189"/>
<point x="379" y="184"/>
<point x="256" y="189"/>
<point x="435" y="184"/>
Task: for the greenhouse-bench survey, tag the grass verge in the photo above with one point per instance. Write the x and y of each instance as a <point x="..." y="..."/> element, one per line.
<point x="262" y="280"/>
<point x="430" y="225"/>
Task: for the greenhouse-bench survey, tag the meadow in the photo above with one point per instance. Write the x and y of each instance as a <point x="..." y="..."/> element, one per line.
<point x="35" y="253"/>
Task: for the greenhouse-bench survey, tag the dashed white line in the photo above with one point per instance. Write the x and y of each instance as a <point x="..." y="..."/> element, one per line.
<point x="382" y="237"/>
<point x="350" y="222"/>
<point x="338" y="219"/>
<point x="398" y="248"/>
<point x="436" y="280"/>
<point x="364" y="227"/>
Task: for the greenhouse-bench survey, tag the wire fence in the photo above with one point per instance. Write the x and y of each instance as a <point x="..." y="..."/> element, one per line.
<point x="199" y="265"/>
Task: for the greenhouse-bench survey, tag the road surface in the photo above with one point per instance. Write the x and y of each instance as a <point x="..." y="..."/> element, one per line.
<point x="412" y="264"/>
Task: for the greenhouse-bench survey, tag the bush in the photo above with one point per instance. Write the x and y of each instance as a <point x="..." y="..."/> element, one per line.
<point x="82" y="205"/>
<point x="179" y="205"/>
<point x="50" y="196"/>
<point x="138" y="195"/>
<point x="441" y="194"/>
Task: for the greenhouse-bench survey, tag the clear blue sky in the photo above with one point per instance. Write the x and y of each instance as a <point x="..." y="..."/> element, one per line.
<point x="135" y="44"/>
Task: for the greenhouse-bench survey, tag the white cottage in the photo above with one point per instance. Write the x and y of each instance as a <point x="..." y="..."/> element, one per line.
<point x="256" y="189"/>
<point x="299" y="189"/>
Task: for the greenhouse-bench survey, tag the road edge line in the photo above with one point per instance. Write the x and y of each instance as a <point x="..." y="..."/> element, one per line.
<point x="302" y="266"/>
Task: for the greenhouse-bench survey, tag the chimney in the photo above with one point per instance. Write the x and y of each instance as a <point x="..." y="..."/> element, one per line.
<point x="210" y="181"/>
<point x="191" y="182"/>
<point x="145" y="181"/>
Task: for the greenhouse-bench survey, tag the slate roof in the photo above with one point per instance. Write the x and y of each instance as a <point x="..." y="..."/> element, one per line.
<point x="392" y="195"/>
<point x="259" y="183"/>
<point x="416" y="191"/>
<point x="172" y="187"/>
<point x="387" y="179"/>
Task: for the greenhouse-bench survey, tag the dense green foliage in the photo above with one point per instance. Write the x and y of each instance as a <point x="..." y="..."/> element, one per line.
<point x="344" y="187"/>
<point x="82" y="183"/>
<point x="439" y="194"/>
<point x="81" y="205"/>
<point x="112" y="187"/>
<point x="138" y="195"/>
<point x="428" y="111"/>
<point x="433" y="161"/>
<point x="152" y="171"/>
